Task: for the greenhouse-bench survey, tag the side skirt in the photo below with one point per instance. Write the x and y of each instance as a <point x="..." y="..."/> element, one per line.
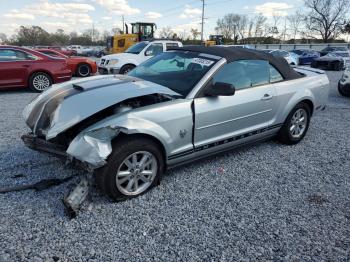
<point x="219" y="152"/>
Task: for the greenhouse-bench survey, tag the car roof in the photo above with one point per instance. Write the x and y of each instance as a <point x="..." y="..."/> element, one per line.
<point x="234" y="54"/>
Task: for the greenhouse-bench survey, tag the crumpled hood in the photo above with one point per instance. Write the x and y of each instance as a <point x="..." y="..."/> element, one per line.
<point x="65" y="105"/>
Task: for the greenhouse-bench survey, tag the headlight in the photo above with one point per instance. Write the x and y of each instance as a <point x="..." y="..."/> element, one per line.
<point x="113" y="62"/>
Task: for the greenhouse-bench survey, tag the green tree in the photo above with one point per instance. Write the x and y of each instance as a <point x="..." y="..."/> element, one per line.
<point x="32" y="36"/>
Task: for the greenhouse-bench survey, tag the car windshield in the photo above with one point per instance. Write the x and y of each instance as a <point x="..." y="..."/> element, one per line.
<point x="137" y="48"/>
<point x="177" y="70"/>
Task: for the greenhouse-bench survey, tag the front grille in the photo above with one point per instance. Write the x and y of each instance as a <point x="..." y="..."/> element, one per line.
<point x="107" y="62"/>
<point x="102" y="61"/>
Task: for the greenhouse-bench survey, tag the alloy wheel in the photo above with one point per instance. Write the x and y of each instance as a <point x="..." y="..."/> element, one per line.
<point x="41" y="82"/>
<point x="298" y="123"/>
<point x="136" y="173"/>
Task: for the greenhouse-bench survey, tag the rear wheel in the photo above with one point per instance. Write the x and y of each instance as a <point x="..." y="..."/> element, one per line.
<point x="39" y="81"/>
<point x="133" y="168"/>
<point x="83" y="70"/>
<point x="296" y="125"/>
<point x="126" y="69"/>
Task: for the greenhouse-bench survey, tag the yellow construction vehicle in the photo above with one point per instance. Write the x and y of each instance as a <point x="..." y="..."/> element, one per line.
<point x="214" y="40"/>
<point x="139" y="32"/>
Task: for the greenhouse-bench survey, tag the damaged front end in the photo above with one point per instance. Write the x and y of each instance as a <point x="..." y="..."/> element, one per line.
<point x="63" y="119"/>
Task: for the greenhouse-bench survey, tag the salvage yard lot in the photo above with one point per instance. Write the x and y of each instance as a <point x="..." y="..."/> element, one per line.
<point x="268" y="201"/>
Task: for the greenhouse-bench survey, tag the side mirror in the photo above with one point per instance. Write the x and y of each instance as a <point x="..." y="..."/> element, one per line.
<point x="220" y="89"/>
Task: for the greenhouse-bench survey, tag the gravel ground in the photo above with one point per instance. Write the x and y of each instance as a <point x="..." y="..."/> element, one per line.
<point x="263" y="202"/>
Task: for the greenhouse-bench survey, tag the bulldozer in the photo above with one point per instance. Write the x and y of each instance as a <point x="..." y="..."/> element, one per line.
<point x="214" y="40"/>
<point x="140" y="31"/>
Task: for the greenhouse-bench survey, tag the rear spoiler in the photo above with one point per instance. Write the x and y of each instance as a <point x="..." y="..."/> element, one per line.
<point x="308" y="69"/>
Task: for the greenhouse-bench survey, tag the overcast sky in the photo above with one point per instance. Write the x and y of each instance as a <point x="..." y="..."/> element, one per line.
<point x="79" y="15"/>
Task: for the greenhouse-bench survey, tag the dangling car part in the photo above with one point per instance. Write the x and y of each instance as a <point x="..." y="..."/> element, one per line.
<point x="175" y="108"/>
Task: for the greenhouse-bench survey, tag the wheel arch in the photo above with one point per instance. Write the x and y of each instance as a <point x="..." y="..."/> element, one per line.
<point x="146" y="136"/>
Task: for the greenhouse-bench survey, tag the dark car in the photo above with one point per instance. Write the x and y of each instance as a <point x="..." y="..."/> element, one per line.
<point x="306" y="56"/>
<point x="22" y="67"/>
<point x="330" y="49"/>
<point x="331" y="61"/>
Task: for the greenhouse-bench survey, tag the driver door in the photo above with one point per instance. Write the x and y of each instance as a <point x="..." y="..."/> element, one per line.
<point x="220" y="120"/>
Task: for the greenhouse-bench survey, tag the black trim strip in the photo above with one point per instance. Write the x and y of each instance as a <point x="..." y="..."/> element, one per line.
<point x="222" y="142"/>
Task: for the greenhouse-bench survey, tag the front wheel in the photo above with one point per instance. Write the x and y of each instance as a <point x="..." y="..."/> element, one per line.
<point x="126" y="69"/>
<point x="134" y="167"/>
<point x="296" y="125"/>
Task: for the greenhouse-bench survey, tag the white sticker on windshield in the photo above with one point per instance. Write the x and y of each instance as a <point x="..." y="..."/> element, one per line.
<point x="201" y="61"/>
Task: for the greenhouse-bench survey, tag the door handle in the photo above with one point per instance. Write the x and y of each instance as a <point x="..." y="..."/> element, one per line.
<point x="266" y="97"/>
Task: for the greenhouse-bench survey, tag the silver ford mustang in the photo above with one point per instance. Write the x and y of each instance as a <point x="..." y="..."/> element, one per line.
<point x="177" y="107"/>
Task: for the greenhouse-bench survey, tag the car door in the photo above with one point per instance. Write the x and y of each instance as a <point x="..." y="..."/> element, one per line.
<point x="250" y="109"/>
<point x="13" y="68"/>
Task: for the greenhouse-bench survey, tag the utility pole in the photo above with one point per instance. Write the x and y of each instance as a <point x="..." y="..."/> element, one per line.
<point x="123" y="24"/>
<point x="202" y="33"/>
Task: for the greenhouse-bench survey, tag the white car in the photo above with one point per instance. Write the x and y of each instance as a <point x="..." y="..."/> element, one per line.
<point x="80" y="49"/>
<point x="292" y="59"/>
<point x="133" y="56"/>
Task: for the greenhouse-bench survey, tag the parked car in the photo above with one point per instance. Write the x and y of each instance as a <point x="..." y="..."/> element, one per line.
<point x="330" y="49"/>
<point x="80" y="50"/>
<point x="133" y="56"/>
<point x="332" y="61"/>
<point x="306" y="56"/>
<point x="22" y="67"/>
<point x="292" y="58"/>
<point x="62" y="50"/>
<point x="80" y="66"/>
<point x="176" y="107"/>
<point x="344" y="83"/>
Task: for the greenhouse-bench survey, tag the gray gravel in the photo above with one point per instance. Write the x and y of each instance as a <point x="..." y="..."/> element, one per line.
<point x="263" y="202"/>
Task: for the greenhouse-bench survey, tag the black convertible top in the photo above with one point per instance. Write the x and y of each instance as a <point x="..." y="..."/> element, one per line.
<point x="235" y="53"/>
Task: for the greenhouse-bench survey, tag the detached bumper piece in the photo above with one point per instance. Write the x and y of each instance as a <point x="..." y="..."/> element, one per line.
<point x="77" y="197"/>
<point x="42" y="145"/>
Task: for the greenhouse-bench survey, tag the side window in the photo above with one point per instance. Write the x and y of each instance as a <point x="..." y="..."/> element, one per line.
<point x="170" y="45"/>
<point x="244" y="74"/>
<point x="275" y="76"/>
<point x="7" y="55"/>
<point x="154" y="49"/>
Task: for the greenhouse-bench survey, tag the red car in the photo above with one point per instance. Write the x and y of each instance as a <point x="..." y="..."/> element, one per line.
<point x="22" y="67"/>
<point x="80" y="66"/>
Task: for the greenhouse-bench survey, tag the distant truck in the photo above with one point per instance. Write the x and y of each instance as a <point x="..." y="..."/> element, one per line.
<point x="123" y="63"/>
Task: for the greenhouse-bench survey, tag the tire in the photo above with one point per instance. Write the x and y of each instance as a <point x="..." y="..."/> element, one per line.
<point x="83" y="70"/>
<point x="39" y="81"/>
<point x="291" y="137"/>
<point x="341" y="91"/>
<point x="115" y="178"/>
<point x="126" y="69"/>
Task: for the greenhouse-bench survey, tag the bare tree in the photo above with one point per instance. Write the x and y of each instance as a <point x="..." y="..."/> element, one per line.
<point x="3" y="38"/>
<point x="233" y="26"/>
<point x="195" y="33"/>
<point x="260" y="21"/>
<point x="294" y="23"/>
<point x="326" y="17"/>
<point x="166" y="32"/>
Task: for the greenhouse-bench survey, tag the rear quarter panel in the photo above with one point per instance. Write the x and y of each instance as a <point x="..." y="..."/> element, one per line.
<point x="313" y="87"/>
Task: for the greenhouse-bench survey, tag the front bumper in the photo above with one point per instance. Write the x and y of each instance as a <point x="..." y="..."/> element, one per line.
<point x="41" y="145"/>
<point x="108" y="71"/>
